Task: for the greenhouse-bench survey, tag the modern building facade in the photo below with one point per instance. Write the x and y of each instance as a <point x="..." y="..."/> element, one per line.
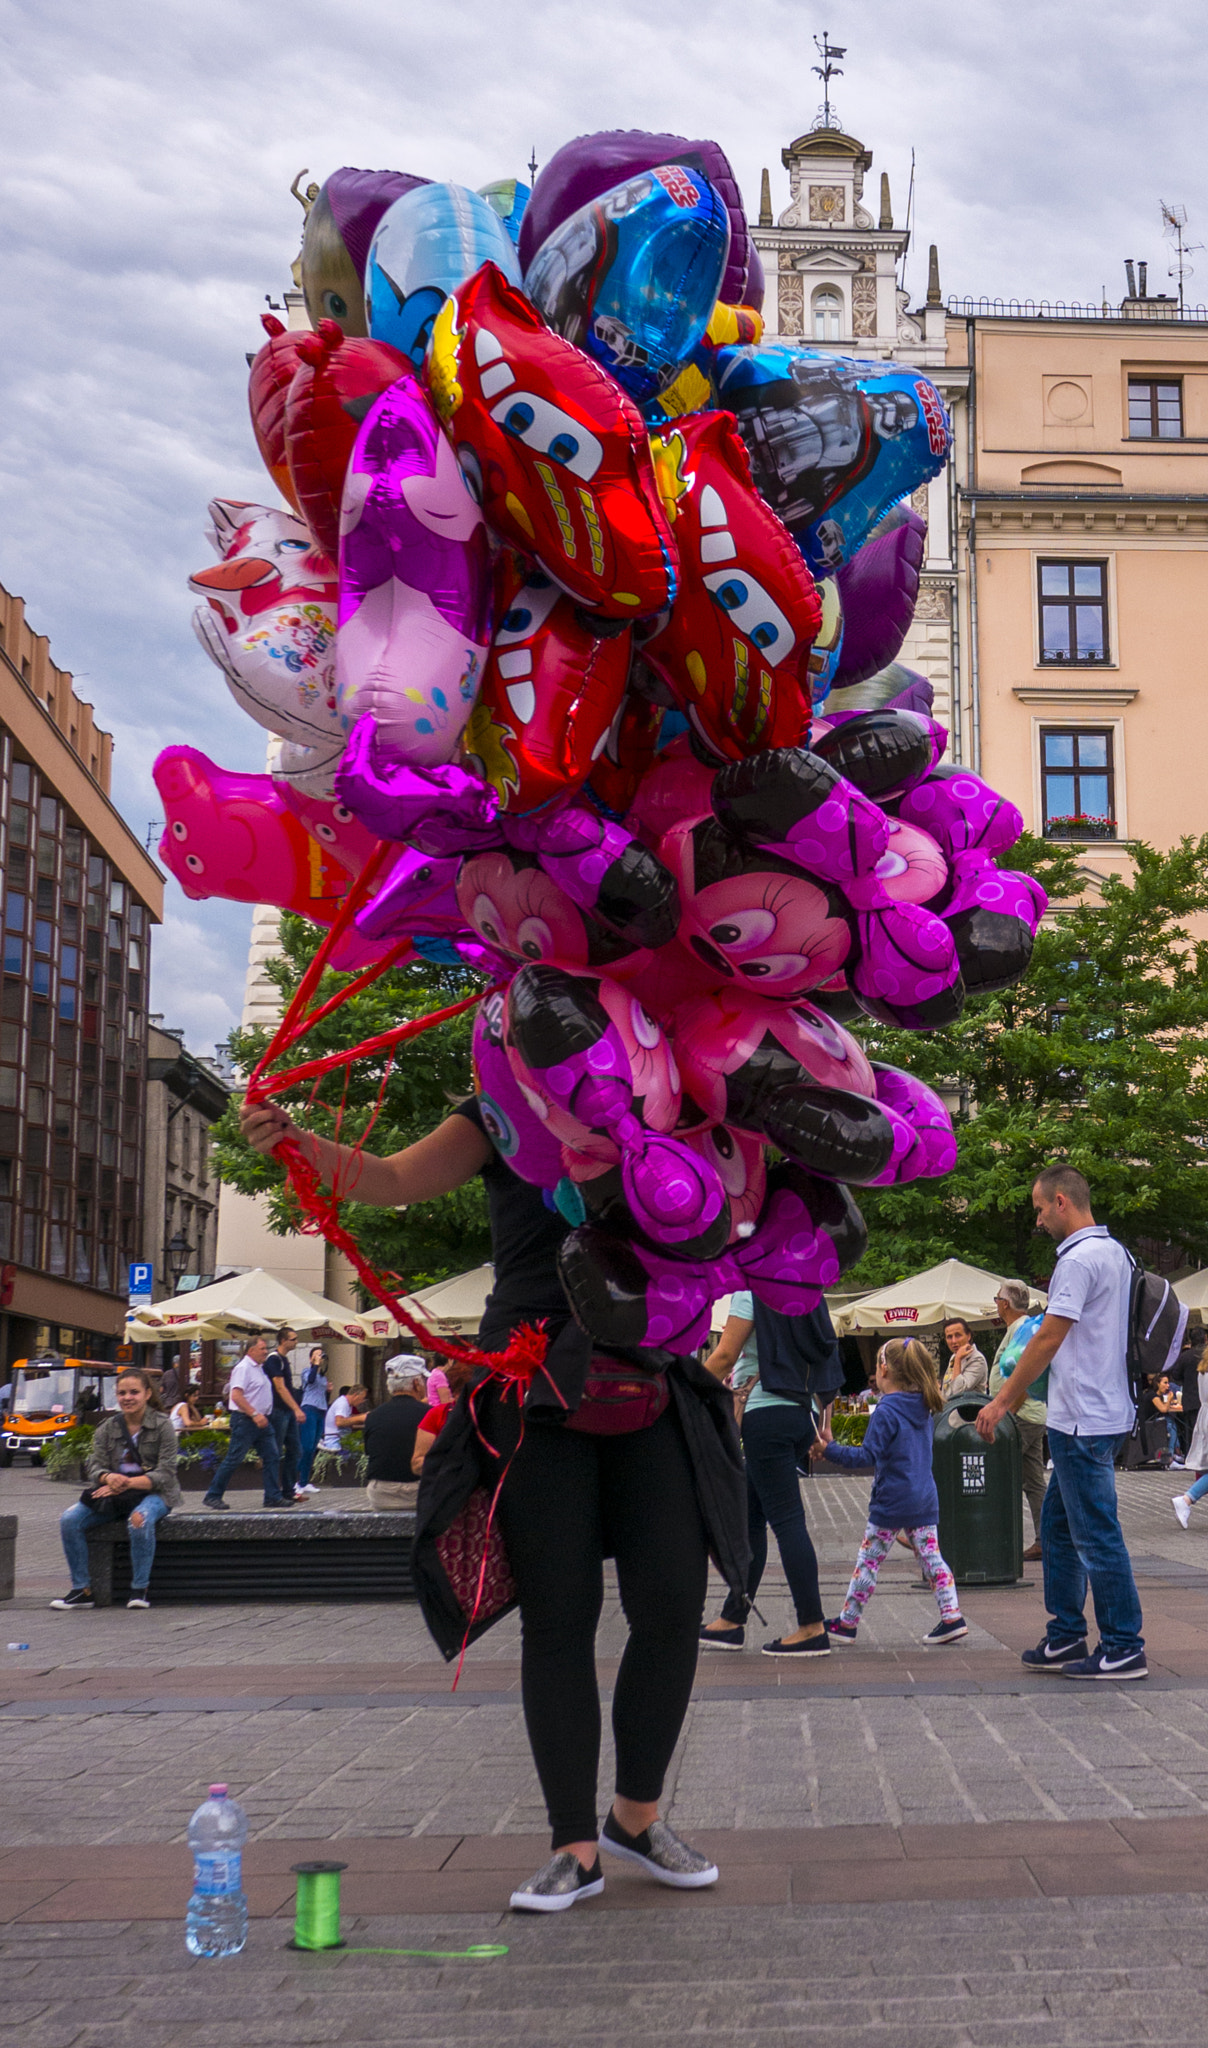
<point x="185" y="1095"/>
<point x="80" y="899"/>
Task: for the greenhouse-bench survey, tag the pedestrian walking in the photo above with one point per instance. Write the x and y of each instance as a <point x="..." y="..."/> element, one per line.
<point x="1083" y="1341"/>
<point x="904" y="1499"/>
<point x="286" y="1414"/>
<point x="1195" y="1367"/>
<point x="315" y="1394"/>
<point x="131" y="1470"/>
<point x="967" y="1371"/>
<point x="250" y="1396"/>
<point x="1013" y="1302"/>
<point x="769" y="1353"/>
<point x="630" y="1455"/>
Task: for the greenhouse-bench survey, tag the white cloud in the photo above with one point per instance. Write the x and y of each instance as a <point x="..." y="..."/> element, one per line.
<point x="197" y="968"/>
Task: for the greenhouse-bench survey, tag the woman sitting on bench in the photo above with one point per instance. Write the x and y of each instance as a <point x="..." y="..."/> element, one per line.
<point x="131" y="1474"/>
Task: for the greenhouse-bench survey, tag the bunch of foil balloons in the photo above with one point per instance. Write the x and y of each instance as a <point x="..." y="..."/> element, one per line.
<point x="589" y="601"/>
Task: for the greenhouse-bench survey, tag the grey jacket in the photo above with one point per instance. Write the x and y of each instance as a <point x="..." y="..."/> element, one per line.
<point x="973" y="1379"/>
<point x="156" y="1449"/>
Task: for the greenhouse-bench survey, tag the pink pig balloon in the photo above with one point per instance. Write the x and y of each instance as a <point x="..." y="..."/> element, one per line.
<point x="414" y="613"/>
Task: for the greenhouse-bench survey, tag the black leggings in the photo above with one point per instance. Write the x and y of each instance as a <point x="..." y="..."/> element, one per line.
<point x="570" y="1501"/>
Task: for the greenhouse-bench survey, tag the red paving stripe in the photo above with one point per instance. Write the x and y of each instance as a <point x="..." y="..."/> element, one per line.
<point x="472" y="1874"/>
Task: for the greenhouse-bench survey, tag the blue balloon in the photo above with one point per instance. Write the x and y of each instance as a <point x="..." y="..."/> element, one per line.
<point x="834" y="442"/>
<point x="509" y="199"/>
<point x="633" y="276"/>
<point x="429" y="242"/>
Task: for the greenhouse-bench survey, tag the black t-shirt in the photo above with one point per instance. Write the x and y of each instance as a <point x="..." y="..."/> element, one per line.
<point x="525" y="1235"/>
<point x="276" y="1365"/>
<point x="1185" y="1373"/>
<point x="390" y="1437"/>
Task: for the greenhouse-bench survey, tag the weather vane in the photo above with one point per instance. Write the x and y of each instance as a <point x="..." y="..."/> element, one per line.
<point x="828" y="69"/>
<point x="532" y="164"/>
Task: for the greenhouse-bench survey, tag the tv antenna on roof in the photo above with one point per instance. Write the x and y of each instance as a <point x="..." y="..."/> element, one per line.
<point x="532" y="164"/>
<point x="828" y="69"/>
<point x="1174" y="221"/>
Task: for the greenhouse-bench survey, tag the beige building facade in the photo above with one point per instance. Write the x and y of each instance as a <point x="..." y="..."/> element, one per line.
<point x="1059" y="614"/>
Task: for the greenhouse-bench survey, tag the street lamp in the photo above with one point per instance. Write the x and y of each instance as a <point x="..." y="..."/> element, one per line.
<point x="178" y="1253"/>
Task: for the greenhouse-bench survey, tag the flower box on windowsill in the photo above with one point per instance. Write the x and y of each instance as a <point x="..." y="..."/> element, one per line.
<point x="1080" y="828"/>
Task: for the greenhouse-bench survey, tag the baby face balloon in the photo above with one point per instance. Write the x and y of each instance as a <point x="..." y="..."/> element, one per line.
<point x="414" y="583"/>
<point x="269" y="621"/>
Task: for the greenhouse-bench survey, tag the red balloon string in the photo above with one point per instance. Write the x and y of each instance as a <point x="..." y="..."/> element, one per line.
<point x="320" y="1207"/>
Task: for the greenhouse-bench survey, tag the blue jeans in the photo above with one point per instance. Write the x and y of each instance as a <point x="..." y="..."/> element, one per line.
<point x="1198" y="1487"/>
<point x="1081" y="1535"/>
<point x="310" y="1429"/>
<point x="772" y="1441"/>
<point x="245" y="1437"/>
<point x="74" y="1524"/>
<point x="285" y="1429"/>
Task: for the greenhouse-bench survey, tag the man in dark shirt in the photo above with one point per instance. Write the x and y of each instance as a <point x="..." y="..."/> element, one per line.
<point x="390" y="1439"/>
<point x="286" y="1414"/>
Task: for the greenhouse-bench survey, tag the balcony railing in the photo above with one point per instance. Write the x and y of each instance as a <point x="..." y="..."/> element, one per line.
<point x="1073" y="309"/>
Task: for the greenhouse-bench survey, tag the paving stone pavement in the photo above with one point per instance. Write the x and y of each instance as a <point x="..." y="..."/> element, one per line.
<point x="1048" y="1973"/>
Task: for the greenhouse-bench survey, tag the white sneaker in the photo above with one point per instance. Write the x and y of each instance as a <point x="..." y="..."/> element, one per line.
<point x="308" y="1489"/>
<point x="1182" y="1508"/>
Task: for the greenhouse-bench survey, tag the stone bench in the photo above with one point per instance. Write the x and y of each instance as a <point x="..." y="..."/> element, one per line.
<point x="8" y="1556"/>
<point x="295" y="1554"/>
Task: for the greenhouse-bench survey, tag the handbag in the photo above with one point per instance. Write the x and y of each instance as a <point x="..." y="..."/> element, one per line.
<point x="123" y="1504"/>
<point x="619" y="1399"/>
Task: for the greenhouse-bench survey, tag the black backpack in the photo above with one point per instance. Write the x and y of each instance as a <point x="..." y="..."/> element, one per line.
<point x="1157" y="1320"/>
<point x="798" y="1355"/>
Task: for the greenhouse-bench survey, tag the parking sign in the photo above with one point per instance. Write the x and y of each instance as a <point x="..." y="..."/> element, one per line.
<point x="140" y="1283"/>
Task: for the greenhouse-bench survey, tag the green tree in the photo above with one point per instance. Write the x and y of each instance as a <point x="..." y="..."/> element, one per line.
<point x="1098" y="1056"/>
<point x="434" y="1239"/>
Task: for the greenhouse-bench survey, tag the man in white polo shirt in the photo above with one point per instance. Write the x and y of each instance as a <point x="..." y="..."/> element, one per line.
<point x="250" y="1396"/>
<point x="1084" y="1340"/>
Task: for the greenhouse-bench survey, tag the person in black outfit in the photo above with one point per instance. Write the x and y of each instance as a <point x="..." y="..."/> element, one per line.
<point x="658" y="1499"/>
<point x="286" y="1415"/>
<point x="389" y="1434"/>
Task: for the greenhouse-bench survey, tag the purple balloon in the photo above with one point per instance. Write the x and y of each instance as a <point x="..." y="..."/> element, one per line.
<point x="879" y="588"/>
<point x="592" y="164"/>
<point x="358" y="199"/>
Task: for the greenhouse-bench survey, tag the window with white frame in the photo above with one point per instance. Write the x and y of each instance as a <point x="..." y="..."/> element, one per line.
<point x="827" y="307"/>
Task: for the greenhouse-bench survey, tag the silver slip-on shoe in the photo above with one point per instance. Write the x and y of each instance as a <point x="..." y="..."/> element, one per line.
<point x="660" y="1853"/>
<point x="559" y="1885"/>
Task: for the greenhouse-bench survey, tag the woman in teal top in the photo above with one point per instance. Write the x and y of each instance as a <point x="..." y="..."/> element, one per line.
<point x="776" y="1434"/>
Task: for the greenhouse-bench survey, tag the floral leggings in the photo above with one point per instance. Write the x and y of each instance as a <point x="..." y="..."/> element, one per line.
<point x="875" y="1548"/>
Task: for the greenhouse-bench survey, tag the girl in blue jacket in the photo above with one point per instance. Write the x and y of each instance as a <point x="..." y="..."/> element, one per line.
<point x="897" y="1447"/>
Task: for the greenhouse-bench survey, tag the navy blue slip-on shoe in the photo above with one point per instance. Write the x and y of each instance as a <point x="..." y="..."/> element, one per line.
<point x="1100" y="1665"/>
<point x="723" y="1638"/>
<point x="1046" y="1657"/>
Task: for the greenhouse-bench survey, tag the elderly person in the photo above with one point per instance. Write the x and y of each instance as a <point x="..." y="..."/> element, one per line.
<point x="967" y="1371"/>
<point x="1013" y="1303"/>
<point x="390" y="1435"/>
<point x="132" y="1475"/>
<point x="250" y="1393"/>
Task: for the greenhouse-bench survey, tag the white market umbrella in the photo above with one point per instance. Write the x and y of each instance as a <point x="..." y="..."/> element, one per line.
<point x="257" y="1300"/>
<point x="926" y="1300"/>
<point x="1193" y="1293"/>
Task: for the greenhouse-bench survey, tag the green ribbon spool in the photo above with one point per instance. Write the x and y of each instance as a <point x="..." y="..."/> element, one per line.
<point x="317" y="1921"/>
<point x="317" y="1906"/>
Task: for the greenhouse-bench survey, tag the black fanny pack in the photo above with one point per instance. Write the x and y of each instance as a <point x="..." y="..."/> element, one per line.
<point x="123" y="1503"/>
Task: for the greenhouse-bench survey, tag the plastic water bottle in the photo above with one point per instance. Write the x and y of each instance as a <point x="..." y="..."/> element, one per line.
<point x="216" y="1922"/>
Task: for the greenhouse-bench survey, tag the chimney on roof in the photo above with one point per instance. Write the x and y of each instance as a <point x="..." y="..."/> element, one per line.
<point x="765" y="201"/>
<point x="1131" y="276"/>
<point x="1142" y="274"/>
<point x="933" y="277"/>
<point x="886" y="220"/>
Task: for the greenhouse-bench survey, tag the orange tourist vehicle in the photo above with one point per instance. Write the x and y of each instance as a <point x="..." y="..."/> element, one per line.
<point x="51" y="1395"/>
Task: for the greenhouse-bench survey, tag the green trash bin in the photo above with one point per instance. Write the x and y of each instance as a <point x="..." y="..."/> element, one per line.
<point x="980" y="1486"/>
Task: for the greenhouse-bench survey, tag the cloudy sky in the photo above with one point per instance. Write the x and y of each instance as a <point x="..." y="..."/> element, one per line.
<point x="148" y="149"/>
